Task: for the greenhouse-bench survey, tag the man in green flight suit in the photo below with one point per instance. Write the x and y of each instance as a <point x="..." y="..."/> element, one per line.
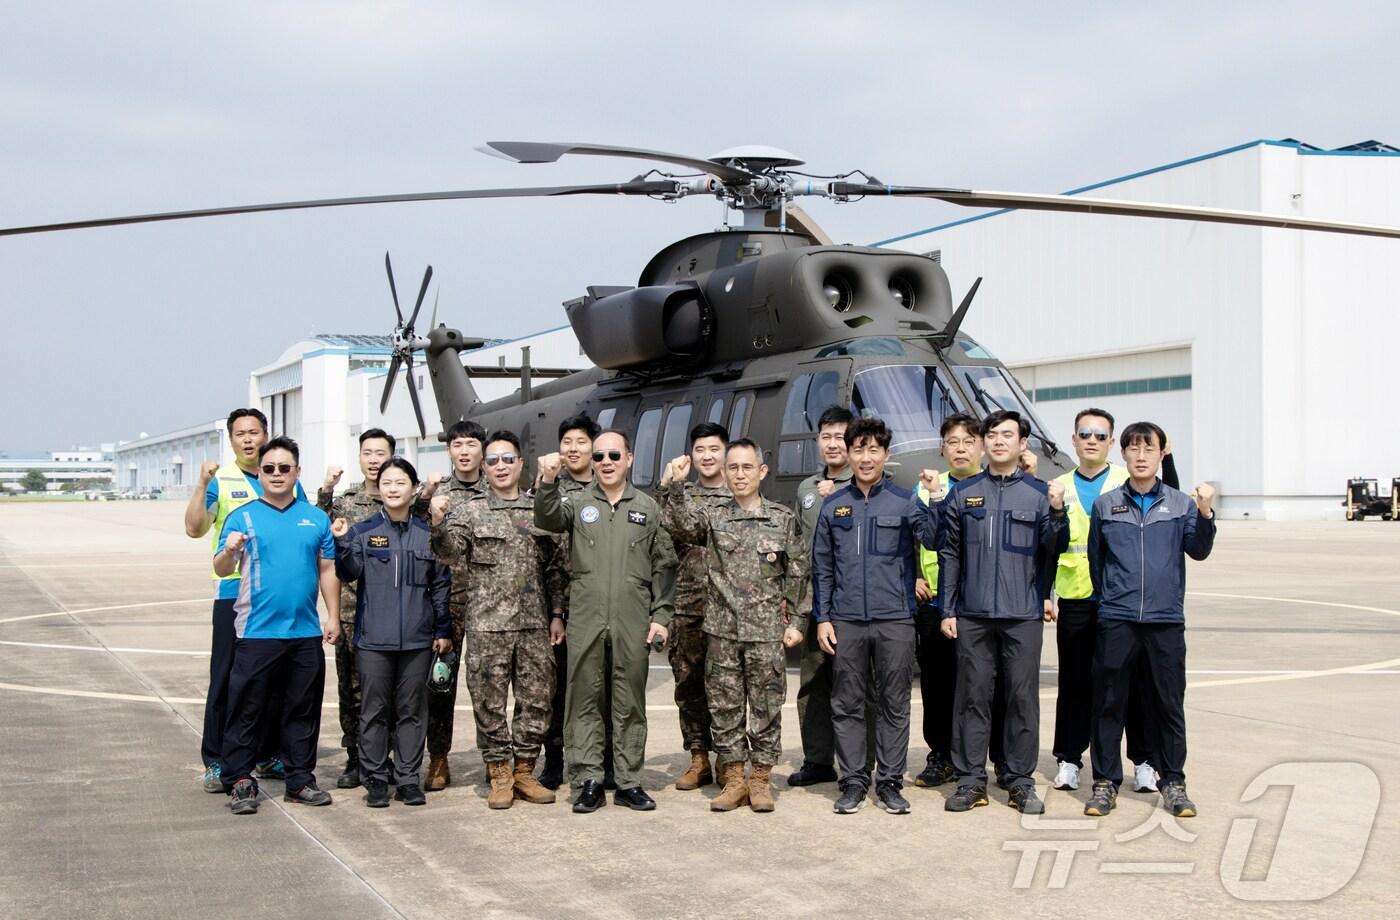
<point x="620" y="600"/>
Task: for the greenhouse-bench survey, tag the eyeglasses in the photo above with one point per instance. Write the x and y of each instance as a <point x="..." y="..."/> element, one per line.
<point x="1097" y="434"/>
<point x="270" y="468"/>
<point x="613" y="455"/>
<point x="507" y="459"/>
<point x="960" y="442"/>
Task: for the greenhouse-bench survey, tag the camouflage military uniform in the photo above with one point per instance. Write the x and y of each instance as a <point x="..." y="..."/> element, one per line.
<point x="756" y="565"/>
<point x="355" y="504"/>
<point x="687" y="642"/>
<point x="512" y="577"/>
<point x="441" y="706"/>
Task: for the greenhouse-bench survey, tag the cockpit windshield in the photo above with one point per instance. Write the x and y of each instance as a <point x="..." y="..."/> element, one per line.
<point x="912" y="400"/>
<point x="992" y="389"/>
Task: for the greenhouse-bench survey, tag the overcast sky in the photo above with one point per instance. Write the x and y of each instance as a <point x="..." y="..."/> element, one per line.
<point x="110" y="109"/>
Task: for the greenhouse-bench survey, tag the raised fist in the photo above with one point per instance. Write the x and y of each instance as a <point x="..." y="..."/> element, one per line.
<point x="340" y="527"/>
<point x="235" y="541"/>
<point x="1056" y="492"/>
<point x="677" y="470"/>
<point x="549" y="466"/>
<point x="207" y="469"/>
<point x="826" y="487"/>
<point x="933" y="484"/>
<point x="428" y="489"/>
<point x="438" y="508"/>
<point x="333" y="474"/>
<point x="1204" y="494"/>
<point x="1029" y="461"/>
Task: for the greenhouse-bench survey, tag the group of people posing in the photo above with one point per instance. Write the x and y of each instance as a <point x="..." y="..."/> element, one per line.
<point x="554" y="596"/>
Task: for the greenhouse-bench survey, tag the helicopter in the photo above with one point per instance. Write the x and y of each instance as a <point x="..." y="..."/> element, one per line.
<point x="759" y="325"/>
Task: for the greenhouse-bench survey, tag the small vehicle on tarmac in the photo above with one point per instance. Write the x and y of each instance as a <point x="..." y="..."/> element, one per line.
<point x="1363" y="500"/>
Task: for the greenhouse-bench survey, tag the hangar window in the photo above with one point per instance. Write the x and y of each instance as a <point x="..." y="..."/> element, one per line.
<point x="644" y="460"/>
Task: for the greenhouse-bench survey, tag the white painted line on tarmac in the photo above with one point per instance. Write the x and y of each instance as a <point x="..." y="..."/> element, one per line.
<point x="64" y="613"/>
<point x="100" y="565"/>
<point x="1295" y="600"/>
<point x="110" y="648"/>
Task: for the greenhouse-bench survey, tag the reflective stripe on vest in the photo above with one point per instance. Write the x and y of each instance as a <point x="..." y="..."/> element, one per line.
<point x="928" y="558"/>
<point x="234" y="493"/>
<point x="1072" y="579"/>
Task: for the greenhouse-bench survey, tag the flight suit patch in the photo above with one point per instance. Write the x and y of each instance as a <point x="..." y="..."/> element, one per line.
<point x="842" y="511"/>
<point x="378" y="541"/>
<point x="809" y="500"/>
<point x="589" y="515"/>
<point x="636" y="517"/>
<point x="976" y="501"/>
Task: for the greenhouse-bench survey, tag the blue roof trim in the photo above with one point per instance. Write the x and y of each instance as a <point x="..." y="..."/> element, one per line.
<point x="1299" y="148"/>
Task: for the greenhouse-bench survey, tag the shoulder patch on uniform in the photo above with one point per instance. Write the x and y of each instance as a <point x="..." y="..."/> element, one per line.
<point x="809" y="500"/>
<point x="842" y="511"/>
<point x="378" y="540"/>
<point x="589" y="514"/>
<point x="976" y="501"/>
<point x="636" y="517"/>
<point x="1119" y="509"/>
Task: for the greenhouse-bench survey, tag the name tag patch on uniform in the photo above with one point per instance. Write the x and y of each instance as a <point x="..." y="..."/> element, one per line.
<point x="842" y="511"/>
<point x="1119" y="509"/>
<point x="809" y="500"/>
<point x="637" y="517"/>
<point x="378" y="540"/>
<point x="976" y="501"/>
<point x="241" y="493"/>
<point x="589" y="514"/>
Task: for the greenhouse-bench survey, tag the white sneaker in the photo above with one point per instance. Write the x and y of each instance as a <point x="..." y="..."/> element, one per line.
<point x="1068" y="777"/>
<point x="1144" y="778"/>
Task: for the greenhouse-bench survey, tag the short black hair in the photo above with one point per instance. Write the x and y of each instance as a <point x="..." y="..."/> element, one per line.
<point x="398" y="463"/>
<point x="237" y="414"/>
<point x="579" y="423"/>
<point x="962" y="420"/>
<point x="1142" y="432"/>
<point x="745" y="442"/>
<point x="281" y="442"/>
<point x="626" y="439"/>
<point x="709" y="430"/>
<point x="835" y="415"/>
<point x="509" y="437"/>
<point x="1099" y="413"/>
<point x="1007" y="415"/>
<point x="381" y="434"/>
<point x="466" y="428"/>
<point x="869" y="426"/>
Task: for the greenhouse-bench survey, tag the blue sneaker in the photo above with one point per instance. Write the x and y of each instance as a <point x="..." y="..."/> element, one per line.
<point x="271" y="769"/>
<point x="213" y="778"/>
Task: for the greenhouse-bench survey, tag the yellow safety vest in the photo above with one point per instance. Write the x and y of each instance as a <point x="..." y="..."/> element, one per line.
<point x="928" y="558"/>
<point x="1072" y="579"/>
<point x="234" y="492"/>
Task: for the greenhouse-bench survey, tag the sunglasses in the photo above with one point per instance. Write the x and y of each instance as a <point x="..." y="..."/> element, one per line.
<point x="613" y="455"/>
<point x="507" y="459"/>
<point x="270" y="468"/>
<point x="1095" y="433"/>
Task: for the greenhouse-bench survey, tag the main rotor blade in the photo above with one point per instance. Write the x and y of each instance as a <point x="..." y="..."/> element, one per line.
<point x="1082" y="205"/>
<point x="392" y="288"/>
<point x="533" y="152"/>
<point x="389" y="383"/>
<point x="661" y="187"/>
<point x="422" y="292"/>
<point x="413" y="395"/>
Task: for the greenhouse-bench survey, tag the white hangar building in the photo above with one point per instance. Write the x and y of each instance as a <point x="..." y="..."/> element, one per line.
<point x="1263" y="353"/>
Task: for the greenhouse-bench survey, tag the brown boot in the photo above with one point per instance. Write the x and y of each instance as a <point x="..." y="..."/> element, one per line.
<point x="439" y="777"/>
<point x="502" y="784"/>
<point x="526" y="786"/>
<point x="699" y="773"/>
<point x="760" y="792"/>
<point x="735" y="792"/>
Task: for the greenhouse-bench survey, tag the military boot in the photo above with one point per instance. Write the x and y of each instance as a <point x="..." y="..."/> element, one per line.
<point x="552" y="776"/>
<point x="502" y="784"/>
<point x="735" y="791"/>
<point x="439" y="777"/>
<point x="760" y="791"/>
<point x="699" y="773"/>
<point x="526" y="786"/>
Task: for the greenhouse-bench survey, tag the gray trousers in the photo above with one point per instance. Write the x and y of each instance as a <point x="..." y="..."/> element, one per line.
<point x="875" y="656"/>
<point x="982" y="643"/>
<point x="397" y="681"/>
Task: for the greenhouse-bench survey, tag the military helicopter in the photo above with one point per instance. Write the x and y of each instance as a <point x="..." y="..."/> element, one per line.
<point x="759" y="325"/>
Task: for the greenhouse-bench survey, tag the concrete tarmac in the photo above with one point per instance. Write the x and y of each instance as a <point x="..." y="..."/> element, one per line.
<point x="1294" y="669"/>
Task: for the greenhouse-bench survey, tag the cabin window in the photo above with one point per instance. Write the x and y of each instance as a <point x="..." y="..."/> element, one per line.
<point x="644" y="453"/>
<point x="810" y="396"/>
<point x="717" y="411"/>
<point x="739" y="417"/>
<point x="673" y="441"/>
<point x="605" y="418"/>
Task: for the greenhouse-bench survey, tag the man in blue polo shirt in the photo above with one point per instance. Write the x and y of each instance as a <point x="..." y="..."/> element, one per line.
<point x="221" y="489"/>
<point x="283" y="547"/>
